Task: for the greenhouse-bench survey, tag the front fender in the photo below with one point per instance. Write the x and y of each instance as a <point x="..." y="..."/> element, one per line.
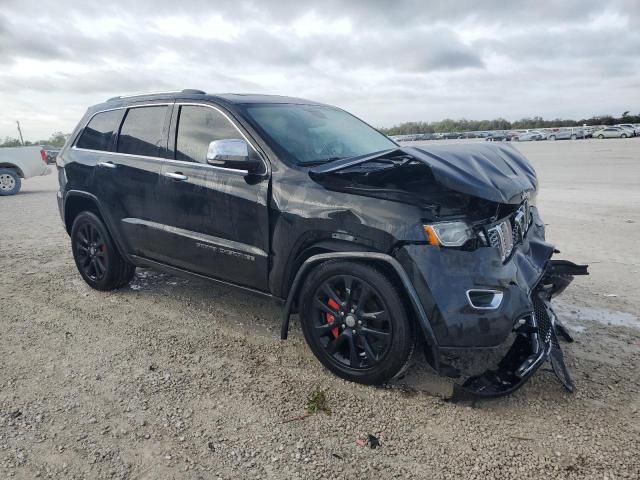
<point x="408" y="287"/>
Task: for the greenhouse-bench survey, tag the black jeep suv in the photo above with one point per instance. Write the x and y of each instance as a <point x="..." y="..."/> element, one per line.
<point x="379" y="248"/>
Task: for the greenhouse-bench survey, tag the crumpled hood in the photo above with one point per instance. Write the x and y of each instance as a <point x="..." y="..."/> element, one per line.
<point x="494" y="172"/>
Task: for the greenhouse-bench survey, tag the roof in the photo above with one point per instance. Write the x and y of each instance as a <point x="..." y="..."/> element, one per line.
<point x="192" y="94"/>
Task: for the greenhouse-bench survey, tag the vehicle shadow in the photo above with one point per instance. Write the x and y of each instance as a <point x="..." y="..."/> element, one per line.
<point x="30" y="192"/>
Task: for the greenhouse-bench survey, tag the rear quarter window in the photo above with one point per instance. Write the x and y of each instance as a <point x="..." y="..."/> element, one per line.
<point x="99" y="131"/>
<point x="142" y="131"/>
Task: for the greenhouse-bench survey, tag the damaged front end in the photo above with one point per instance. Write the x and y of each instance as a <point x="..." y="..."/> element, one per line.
<point x="483" y="270"/>
<point x="536" y="339"/>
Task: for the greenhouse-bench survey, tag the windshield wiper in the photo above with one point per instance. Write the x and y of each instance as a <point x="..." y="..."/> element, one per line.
<point x="321" y="161"/>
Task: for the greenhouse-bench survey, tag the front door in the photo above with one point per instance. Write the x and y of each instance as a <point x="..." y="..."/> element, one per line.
<point x="215" y="219"/>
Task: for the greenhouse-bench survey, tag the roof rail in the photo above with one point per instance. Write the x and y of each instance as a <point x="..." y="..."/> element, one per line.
<point x="193" y="91"/>
<point x="189" y="91"/>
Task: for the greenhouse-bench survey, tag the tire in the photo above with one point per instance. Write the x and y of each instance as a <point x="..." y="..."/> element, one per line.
<point x="600" y="136"/>
<point x="10" y="182"/>
<point x="552" y="138"/>
<point x="98" y="261"/>
<point x="363" y="348"/>
<point x="573" y="137"/>
<point x="624" y="135"/>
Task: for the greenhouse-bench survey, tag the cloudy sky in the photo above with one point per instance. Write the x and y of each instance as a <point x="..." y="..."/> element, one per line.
<point x="385" y="61"/>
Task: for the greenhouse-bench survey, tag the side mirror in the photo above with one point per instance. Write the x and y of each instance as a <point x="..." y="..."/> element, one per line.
<point x="233" y="154"/>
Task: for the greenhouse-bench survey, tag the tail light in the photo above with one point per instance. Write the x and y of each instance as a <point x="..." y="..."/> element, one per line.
<point x="43" y="154"/>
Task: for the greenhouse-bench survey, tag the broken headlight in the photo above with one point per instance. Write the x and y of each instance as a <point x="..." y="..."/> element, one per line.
<point x="448" y="234"/>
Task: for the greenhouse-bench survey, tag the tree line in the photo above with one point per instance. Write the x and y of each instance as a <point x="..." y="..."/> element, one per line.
<point x="56" y="139"/>
<point x="464" y="125"/>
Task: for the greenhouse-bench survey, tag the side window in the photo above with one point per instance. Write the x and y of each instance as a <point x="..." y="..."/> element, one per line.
<point x="98" y="133"/>
<point x="141" y="132"/>
<point x="197" y="127"/>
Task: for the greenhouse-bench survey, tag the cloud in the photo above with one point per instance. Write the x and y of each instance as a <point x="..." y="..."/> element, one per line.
<point x="410" y="60"/>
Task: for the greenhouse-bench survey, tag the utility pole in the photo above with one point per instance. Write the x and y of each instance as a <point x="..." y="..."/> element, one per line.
<point x="20" y="132"/>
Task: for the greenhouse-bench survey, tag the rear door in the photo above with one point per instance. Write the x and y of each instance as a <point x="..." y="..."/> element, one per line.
<point x="88" y="163"/>
<point x="128" y="180"/>
<point x="216" y="219"/>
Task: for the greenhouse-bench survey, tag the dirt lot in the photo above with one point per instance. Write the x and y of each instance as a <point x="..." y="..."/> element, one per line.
<point x="172" y="378"/>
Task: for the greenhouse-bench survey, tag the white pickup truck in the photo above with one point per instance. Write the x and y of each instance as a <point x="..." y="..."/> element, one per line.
<point x="19" y="163"/>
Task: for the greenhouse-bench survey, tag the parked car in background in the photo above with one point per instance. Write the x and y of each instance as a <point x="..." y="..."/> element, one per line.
<point x="451" y="135"/>
<point x="566" y="134"/>
<point x="425" y="136"/>
<point x="20" y="163"/>
<point x="497" y="137"/>
<point x="542" y="133"/>
<point x="529" y="136"/>
<point x="612" y="132"/>
<point x="630" y="127"/>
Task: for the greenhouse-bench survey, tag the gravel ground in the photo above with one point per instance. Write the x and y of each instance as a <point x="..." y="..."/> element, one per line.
<point x="173" y="378"/>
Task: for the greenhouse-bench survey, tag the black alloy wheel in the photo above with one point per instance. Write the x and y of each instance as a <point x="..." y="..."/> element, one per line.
<point x="91" y="251"/>
<point x="98" y="261"/>
<point x="355" y="322"/>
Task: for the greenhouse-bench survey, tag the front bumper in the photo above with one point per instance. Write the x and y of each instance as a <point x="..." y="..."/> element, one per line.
<point x="525" y="284"/>
<point x="536" y="340"/>
<point x="442" y="277"/>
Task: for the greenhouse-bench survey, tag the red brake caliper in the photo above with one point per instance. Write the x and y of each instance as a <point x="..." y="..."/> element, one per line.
<point x="330" y="318"/>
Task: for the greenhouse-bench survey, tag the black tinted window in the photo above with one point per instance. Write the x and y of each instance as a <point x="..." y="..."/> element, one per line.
<point x="197" y="127"/>
<point x="97" y="134"/>
<point x="141" y="132"/>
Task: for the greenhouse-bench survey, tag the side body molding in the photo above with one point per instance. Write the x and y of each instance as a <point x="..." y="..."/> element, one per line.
<point x="421" y="315"/>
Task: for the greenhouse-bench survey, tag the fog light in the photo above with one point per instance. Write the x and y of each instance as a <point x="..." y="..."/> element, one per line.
<point x="485" y="299"/>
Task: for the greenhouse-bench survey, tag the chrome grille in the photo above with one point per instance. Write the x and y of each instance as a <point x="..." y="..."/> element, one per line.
<point x="509" y="232"/>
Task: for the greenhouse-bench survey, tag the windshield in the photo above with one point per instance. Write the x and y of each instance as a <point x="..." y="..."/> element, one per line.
<point x="313" y="134"/>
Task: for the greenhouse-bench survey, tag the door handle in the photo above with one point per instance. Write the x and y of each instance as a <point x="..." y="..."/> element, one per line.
<point x="107" y="164"/>
<point x="175" y="176"/>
